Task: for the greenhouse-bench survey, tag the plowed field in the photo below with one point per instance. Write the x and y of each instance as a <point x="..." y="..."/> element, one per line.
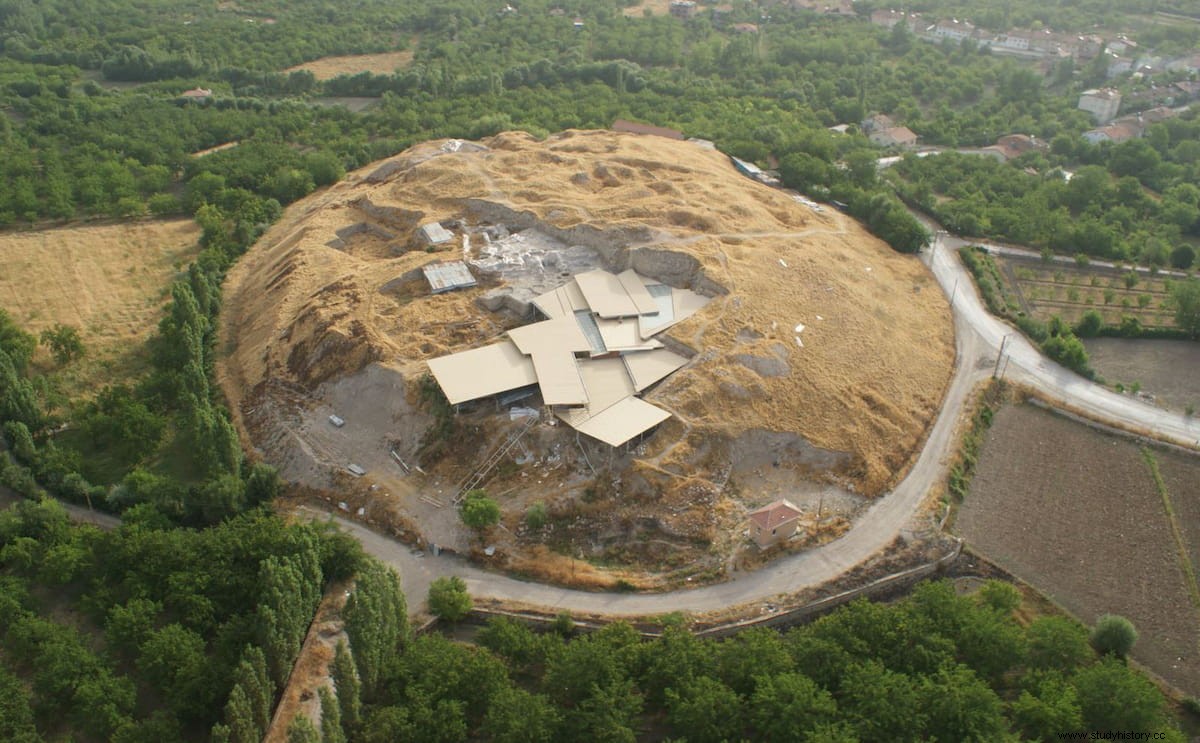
<point x="1075" y="512"/>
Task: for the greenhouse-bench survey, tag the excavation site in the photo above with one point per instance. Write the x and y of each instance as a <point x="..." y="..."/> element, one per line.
<point x="660" y="369"/>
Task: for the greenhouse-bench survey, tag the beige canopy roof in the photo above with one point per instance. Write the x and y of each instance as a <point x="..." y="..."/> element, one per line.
<point x="623" y="421"/>
<point x="597" y="313"/>
<point x="480" y="372"/>
<point x="647" y="367"/>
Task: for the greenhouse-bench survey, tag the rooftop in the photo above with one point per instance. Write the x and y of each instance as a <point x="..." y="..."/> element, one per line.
<point x="773" y="515"/>
<point x="443" y="277"/>
<point x="590" y="358"/>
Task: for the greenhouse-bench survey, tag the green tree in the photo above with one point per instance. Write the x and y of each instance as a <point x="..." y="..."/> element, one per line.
<point x="301" y="730"/>
<point x="883" y="705"/>
<point x="705" y="710"/>
<point x="512" y="641"/>
<point x="1089" y="325"/>
<point x="1047" y="707"/>
<point x="1185" y="300"/>
<point x="1183" y="257"/>
<point x="172" y="661"/>
<point x="742" y="660"/>
<point x="376" y="621"/>
<point x="253" y="676"/>
<point x="64" y="342"/>
<point x="1058" y="643"/>
<point x="479" y="511"/>
<point x="788" y="706"/>
<point x="345" y="680"/>
<point x="15" y="343"/>
<point x="535" y="516"/>
<point x="960" y="706"/>
<point x="1113" y="635"/>
<point x="331" y="718"/>
<point x="517" y="716"/>
<point x="448" y="598"/>
<point x="1114" y="697"/>
<point x="16" y="712"/>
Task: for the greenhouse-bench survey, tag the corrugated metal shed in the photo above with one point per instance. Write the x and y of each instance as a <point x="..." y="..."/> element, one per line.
<point x="435" y="234"/>
<point x="443" y="277"/>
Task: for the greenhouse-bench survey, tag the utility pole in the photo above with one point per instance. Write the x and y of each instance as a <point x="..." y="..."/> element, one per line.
<point x="1003" y="343"/>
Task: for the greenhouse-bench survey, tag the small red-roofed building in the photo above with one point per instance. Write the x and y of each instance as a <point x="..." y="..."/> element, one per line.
<point x="774" y="523"/>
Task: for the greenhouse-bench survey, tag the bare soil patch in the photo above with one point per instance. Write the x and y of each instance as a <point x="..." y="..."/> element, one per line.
<point x="111" y="281"/>
<point x="382" y="63"/>
<point x="1074" y="512"/>
<point x="1169" y="370"/>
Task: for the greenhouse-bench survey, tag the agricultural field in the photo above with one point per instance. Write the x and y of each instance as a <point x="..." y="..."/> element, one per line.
<point x="1077" y="513"/>
<point x="109" y="281"/>
<point x="1042" y="291"/>
<point x="383" y="63"/>
<point x="1156" y="366"/>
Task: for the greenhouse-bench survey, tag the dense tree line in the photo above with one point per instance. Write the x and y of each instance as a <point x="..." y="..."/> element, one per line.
<point x="170" y="432"/>
<point x="933" y="666"/>
<point x="1134" y="201"/>
<point x="151" y="632"/>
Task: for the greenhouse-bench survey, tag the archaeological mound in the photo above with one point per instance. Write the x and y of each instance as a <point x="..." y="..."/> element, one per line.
<point x="622" y="332"/>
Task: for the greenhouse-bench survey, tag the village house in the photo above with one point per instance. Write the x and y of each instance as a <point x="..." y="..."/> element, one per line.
<point x="774" y="523"/>
<point x="1102" y="104"/>
<point x="896" y="136"/>
<point x="1116" y="132"/>
<point x="683" y="8"/>
<point x="953" y="29"/>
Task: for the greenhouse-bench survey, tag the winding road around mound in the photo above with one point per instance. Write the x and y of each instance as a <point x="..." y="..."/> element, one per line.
<point x="979" y="338"/>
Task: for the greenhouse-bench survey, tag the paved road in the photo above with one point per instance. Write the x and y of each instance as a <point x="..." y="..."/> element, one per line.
<point x="1026" y="364"/>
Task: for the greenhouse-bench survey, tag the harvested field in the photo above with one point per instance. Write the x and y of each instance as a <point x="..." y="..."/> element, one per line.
<point x="383" y="63"/>
<point x="1161" y="367"/>
<point x="1075" y="512"/>
<point x="334" y="287"/>
<point x="111" y="281"/>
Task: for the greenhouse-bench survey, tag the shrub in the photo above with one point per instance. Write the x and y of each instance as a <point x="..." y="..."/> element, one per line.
<point x="448" y="598"/>
<point x="479" y="511"/>
<point x="535" y="517"/>
<point x="1113" y="635"/>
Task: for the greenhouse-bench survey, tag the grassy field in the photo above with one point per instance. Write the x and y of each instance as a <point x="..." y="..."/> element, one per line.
<point x="1078" y="514"/>
<point x="110" y="281"/>
<point x="384" y="63"/>
<point x="1042" y="291"/>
